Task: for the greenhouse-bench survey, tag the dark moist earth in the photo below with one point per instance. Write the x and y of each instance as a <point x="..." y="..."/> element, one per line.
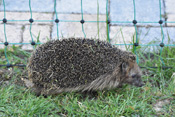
<point x="73" y="62"/>
<point x="12" y="76"/>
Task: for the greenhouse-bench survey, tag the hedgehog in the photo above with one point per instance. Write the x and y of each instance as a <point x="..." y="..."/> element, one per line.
<point x="80" y="64"/>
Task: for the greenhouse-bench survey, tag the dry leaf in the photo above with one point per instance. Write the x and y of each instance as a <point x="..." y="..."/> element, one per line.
<point x="131" y="107"/>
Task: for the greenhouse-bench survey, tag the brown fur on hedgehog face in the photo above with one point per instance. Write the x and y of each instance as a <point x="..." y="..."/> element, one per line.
<point x="132" y="73"/>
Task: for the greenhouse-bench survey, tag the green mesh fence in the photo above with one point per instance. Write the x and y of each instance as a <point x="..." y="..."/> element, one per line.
<point x="82" y="21"/>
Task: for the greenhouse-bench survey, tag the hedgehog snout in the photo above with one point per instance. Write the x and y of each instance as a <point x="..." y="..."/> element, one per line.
<point x="138" y="82"/>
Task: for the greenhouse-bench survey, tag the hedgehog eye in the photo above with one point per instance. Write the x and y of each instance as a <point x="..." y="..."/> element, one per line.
<point x="133" y="76"/>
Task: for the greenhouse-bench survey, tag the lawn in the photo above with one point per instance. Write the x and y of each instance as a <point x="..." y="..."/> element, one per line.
<point x="156" y="98"/>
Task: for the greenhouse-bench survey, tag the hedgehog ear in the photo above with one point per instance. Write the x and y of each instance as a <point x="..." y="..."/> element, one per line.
<point x="132" y="58"/>
<point x="124" y="67"/>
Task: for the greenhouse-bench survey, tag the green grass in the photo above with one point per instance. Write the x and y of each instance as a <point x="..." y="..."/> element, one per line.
<point x="15" y="55"/>
<point x="17" y="100"/>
